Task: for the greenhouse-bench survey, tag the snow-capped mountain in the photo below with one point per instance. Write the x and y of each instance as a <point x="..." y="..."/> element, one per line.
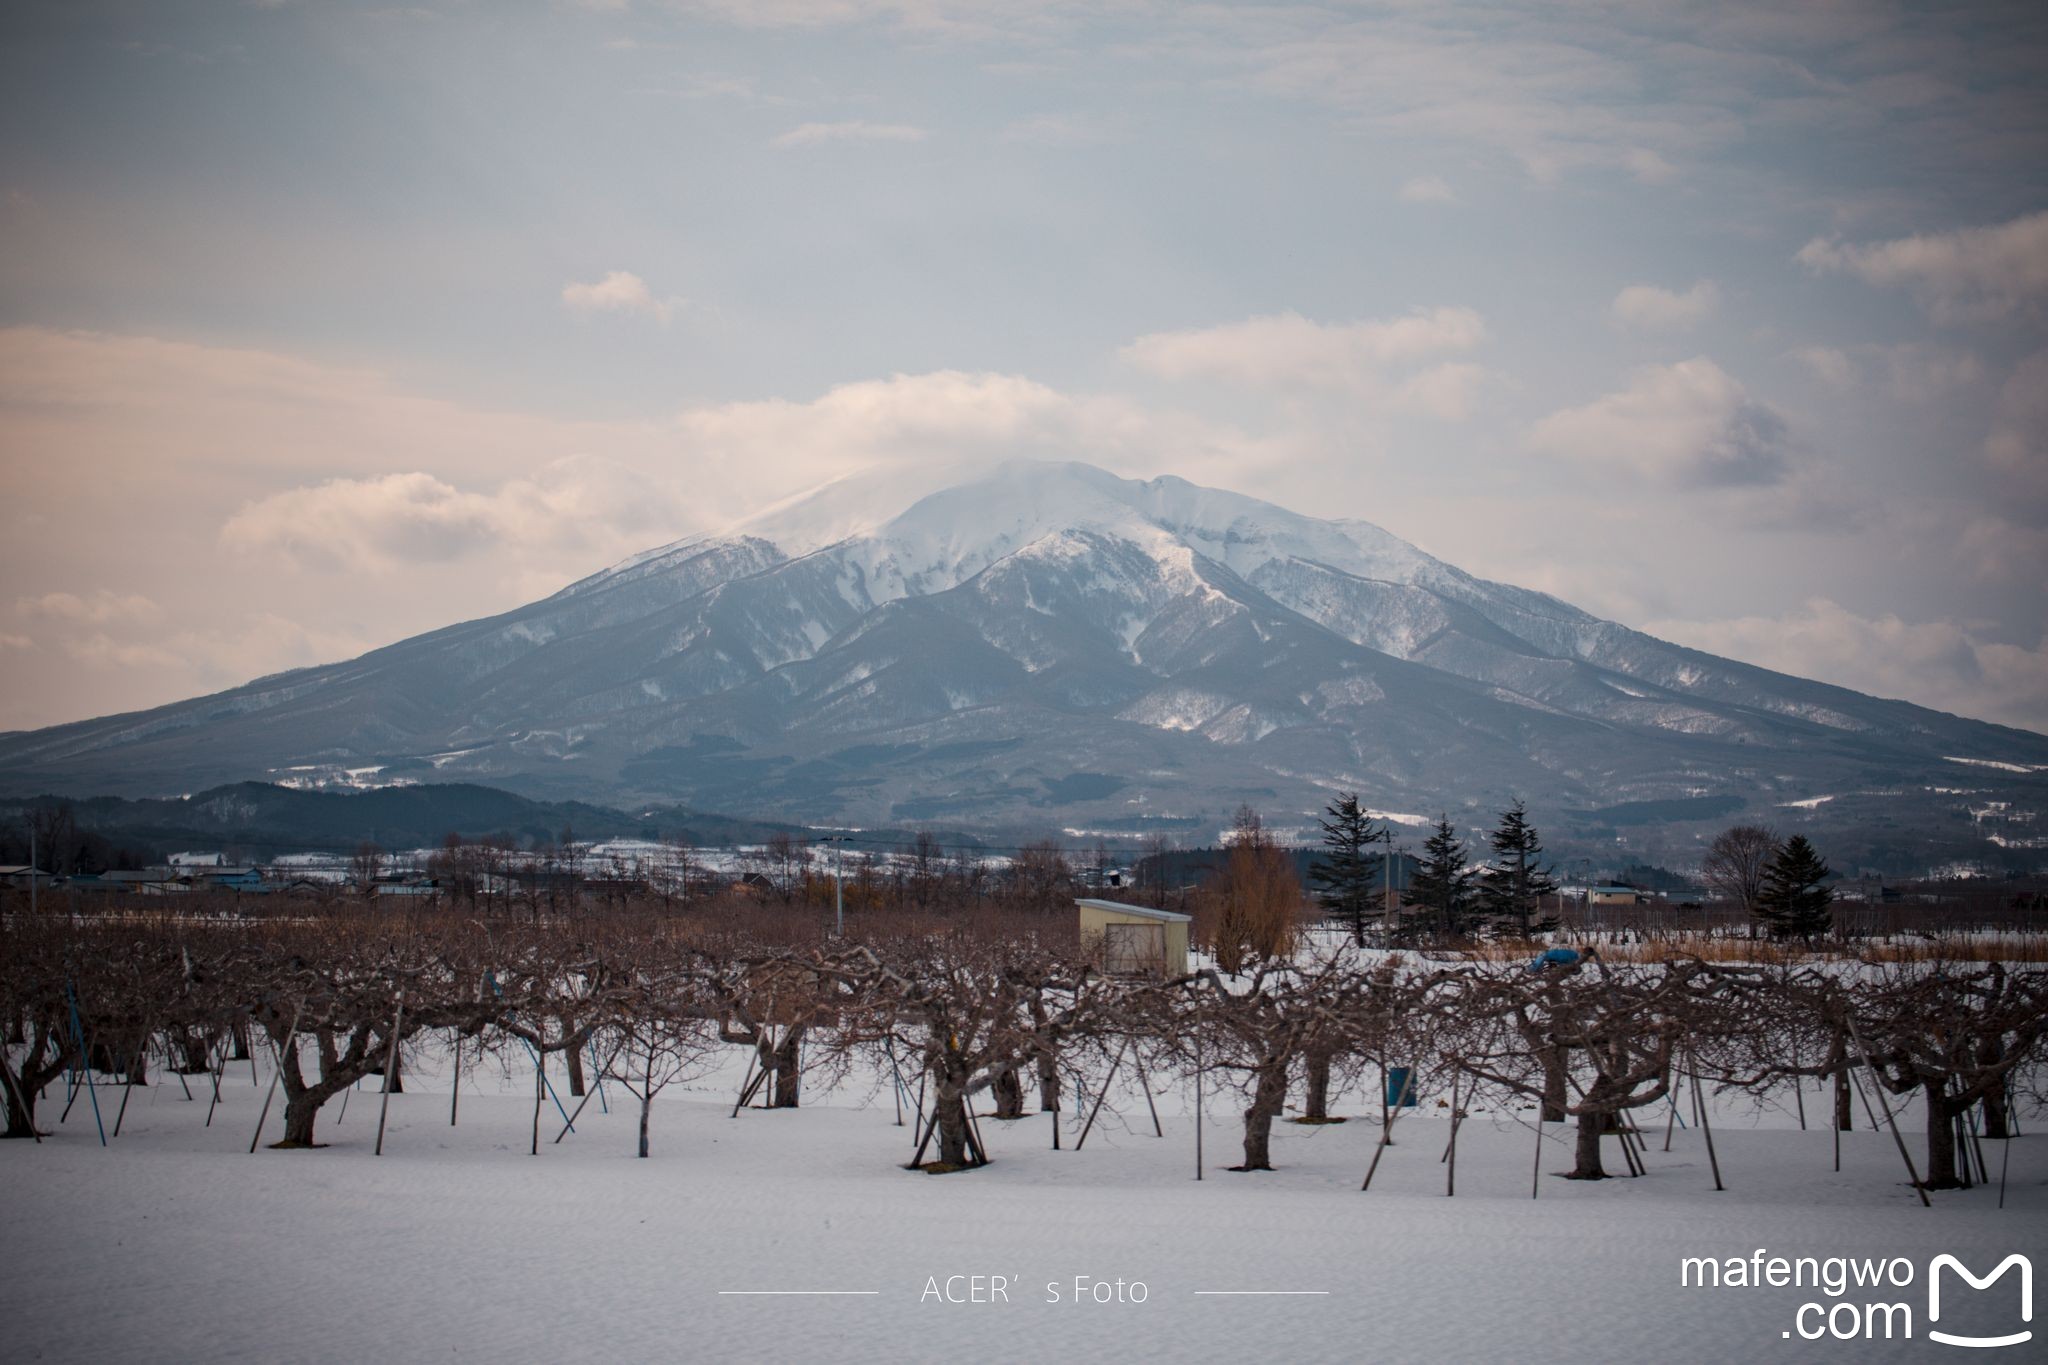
<point x="1049" y="644"/>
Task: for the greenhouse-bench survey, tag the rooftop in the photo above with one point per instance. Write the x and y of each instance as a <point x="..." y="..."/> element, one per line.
<point x="1146" y="911"/>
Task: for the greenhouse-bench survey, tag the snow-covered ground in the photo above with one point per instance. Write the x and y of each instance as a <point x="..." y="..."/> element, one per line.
<point x="178" y="1244"/>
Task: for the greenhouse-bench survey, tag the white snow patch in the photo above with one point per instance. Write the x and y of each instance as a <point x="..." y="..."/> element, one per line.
<point x="2003" y="767"/>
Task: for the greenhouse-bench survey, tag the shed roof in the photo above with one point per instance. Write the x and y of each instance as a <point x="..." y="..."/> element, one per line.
<point x="1143" y="911"/>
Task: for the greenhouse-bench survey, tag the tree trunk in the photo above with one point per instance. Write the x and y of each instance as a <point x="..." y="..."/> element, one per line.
<point x="135" y="1064"/>
<point x="299" y="1112"/>
<point x="951" y="1116"/>
<point x="1557" y="1062"/>
<point x="1995" y="1097"/>
<point x="1995" y="1128"/>
<point x="1268" y="1098"/>
<point x="197" y="1049"/>
<point x="1941" y="1138"/>
<point x="785" y="1079"/>
<point x="646" y="1103"/>
<point x="41" y="1064"/>
<point x="1009" y="1093"/>
<point x="21" y="1106"/>
<point x="1315" y="1103"/>
<point x="1048" y="1082"/>
<point x="1845" y="1118"/>
<point x="575" y="1058"/>
<point x="239" y="1031"/>
<point x="395" y="1084"/>
<point x="1588" y="1165"/>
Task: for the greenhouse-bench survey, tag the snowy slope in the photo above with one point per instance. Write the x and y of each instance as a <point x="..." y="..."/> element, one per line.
<point x="1051" y="644"/>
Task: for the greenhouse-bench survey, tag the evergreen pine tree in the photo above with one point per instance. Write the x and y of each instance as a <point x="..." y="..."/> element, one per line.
<point x="1793" y="902"/>
<point x="1441" y="884"/>
<point x="1346" y="877"/>
<point x="1511" y="887"/>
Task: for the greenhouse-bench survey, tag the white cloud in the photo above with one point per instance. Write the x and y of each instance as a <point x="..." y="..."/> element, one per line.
<point x="1689" y="423"/>
<point x="2018" y="444"/>
<point x="1969" y="274"/>
<point x="620" y="291"/>
<point x="1645" y="307"/>
<point x="1998" y="550"/>
<point x="1909" y="372"/>
<point x="1831" y="366"/>
<point x="99" y="607"/>
<point x="1935" y="663"/>
<point x="10" y="641"/>
<point x="400" y="521"/>
<point x="850" y="130"/>
<point x="1287" y="351"/>
<point x="950" y="417"/>
<point x="102" y="650"/>
<point x="1427" y="189"/>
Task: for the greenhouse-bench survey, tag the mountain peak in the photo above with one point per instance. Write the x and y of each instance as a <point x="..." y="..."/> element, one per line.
<point x="989" y="645"/>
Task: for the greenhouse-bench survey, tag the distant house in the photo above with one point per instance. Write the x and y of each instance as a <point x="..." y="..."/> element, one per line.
<point x="21" y="874"/>
<point x="230" y="878"/>
<point x="151" y="881"/>
<point x="1135" y="940"/>
<point x="1616" y="895"/>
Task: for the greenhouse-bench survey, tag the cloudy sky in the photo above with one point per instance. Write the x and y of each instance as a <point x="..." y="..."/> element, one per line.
<point x="324" y="324"/>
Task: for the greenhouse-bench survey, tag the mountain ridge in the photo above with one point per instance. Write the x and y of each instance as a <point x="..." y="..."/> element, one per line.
<point x="965" y="656"/>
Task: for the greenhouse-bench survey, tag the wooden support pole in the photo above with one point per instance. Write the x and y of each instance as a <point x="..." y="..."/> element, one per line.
<point x="1451" y="1150"/>
<point x="1101" y="1095"/>
<point x="220" y="1066"/>
<point x="390" y="1070"/>
<point x="292" y="1036"/>
<point x="929" y="1126"/>
<point x="895" y="1081"/>
<point x="569" y="1126"/>
<point x="1387" y="1129"/>
<point x="1877" y="1085"/>
<point x="1138" y="1065"/>
<point x="1699" y="1101"/>
<point x="128" y="1062"/>
<point x="974" y="1132"/>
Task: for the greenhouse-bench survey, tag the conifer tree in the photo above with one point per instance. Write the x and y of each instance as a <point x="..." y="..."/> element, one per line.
<point x="1441" y="884"/>
<point x="1793" y="902"/>
<point x="1346" y="877"/>
<point x="1513" y="885"/>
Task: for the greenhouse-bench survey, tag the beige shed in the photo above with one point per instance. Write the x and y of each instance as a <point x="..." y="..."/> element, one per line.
<point x="1136" y="940"/>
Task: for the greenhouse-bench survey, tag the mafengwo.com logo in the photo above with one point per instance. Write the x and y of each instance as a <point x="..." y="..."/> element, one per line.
<point x="1878" y="1314"/>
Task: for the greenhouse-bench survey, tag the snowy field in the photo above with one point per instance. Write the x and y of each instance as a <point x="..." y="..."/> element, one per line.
<point x="178" y="1244"/>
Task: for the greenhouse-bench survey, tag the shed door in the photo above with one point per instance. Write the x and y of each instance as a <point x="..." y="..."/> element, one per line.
<point x="1134" y="948"/>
